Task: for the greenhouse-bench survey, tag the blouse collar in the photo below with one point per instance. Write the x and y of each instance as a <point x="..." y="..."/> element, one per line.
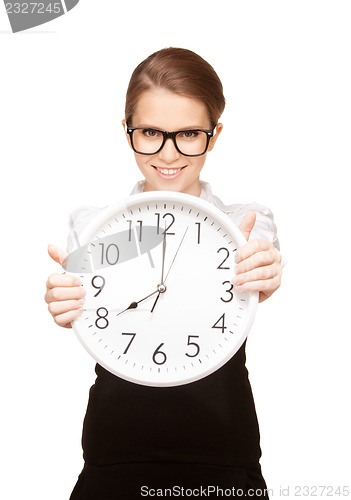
<point x="206" y="191"/>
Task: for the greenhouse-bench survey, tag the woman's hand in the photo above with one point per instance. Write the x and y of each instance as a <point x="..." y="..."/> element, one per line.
<point x="258" y="263"/>
<point x="64" y="292"/>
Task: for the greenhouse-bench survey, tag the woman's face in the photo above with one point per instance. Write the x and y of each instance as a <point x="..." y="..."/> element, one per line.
<point x="165" y="110"/>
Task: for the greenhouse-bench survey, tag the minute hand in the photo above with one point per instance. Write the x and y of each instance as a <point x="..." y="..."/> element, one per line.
<point x="163" y="256"/>
<point x="163" y="282"/>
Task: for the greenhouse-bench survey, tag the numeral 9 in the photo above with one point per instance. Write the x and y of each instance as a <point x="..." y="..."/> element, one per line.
<point x="97" y="286"/>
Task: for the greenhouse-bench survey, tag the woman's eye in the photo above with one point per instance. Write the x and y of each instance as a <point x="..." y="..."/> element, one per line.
<point x="190" y="134"/>
<point x="150" y="133"/>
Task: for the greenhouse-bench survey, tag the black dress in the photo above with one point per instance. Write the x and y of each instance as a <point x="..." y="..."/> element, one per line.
<point x="138" y="440"/>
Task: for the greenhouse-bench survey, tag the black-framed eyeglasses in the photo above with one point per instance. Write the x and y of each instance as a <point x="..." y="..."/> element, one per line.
<point x="150" y="141"/>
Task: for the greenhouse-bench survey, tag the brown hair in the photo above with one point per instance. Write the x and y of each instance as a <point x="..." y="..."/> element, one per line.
<point x="181" y="71"/>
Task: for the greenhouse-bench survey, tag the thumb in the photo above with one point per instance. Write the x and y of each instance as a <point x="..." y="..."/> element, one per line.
<point x="57" y="254"/>
<point x="248" y="223"/>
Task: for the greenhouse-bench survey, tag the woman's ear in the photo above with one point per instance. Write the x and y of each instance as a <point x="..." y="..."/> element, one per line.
<point x="124" y="125"/>
<point x="213" y="139"/>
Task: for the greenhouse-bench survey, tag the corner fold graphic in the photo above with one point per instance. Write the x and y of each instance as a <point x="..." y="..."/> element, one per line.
<point x="26" y="15"/>
<point x="70" y="4"/>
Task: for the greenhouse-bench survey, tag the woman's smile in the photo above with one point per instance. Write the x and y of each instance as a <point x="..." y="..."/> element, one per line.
<point x="168" y="173"/>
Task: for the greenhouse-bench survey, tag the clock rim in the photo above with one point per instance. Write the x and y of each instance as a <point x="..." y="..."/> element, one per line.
<point x="168" y="196"/>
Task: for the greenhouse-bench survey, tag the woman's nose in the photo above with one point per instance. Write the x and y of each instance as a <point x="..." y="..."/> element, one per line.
<point x="169" y="153"/>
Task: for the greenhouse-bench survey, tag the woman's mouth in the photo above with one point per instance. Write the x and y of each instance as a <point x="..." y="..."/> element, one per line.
<point x="168" y="173"/>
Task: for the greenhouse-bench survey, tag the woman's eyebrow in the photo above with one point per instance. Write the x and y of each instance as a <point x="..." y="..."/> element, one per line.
<point x="191" y="127"/>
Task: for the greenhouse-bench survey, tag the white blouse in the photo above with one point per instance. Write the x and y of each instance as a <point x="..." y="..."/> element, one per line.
<point x="264" y="227"/>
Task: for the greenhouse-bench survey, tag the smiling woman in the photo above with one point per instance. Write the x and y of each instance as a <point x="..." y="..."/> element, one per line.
<point x="204" y="432"/>
<point x="176" y="91"/>
<point x="170" y="161"/>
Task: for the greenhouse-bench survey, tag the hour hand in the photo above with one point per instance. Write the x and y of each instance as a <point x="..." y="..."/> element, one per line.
<point x="134" y="305"/>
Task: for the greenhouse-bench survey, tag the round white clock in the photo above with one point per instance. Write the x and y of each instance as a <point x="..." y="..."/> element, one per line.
<point x="160" y="309"/>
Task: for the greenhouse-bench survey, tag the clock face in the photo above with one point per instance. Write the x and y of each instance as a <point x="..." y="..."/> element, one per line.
<point x="160" y="309"/>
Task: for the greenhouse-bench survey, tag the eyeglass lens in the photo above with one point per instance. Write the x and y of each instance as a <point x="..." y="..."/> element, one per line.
<point x="149" y="141"/>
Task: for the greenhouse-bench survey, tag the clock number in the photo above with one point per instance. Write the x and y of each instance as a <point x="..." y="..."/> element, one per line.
<point x="221" y="264"/>
<point x="98" y="287"/>
<point x="131" y="340"/>
<point x="159" y="353"/>
<point x="228" y="291"/>
<point x="111" y="255"/>
<point x="198" y="231"/>
<point x="220" y="323"/>
<point x="101" y="318"/>
<point x="130" y="229"/>
<point x="193" y="343"/>
<point x="158" y="222"/>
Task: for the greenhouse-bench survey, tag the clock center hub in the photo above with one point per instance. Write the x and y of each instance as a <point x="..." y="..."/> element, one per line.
<point x="161" y="288"/>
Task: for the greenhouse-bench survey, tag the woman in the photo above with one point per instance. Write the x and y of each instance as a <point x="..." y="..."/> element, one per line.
<point x="139" y="439"/>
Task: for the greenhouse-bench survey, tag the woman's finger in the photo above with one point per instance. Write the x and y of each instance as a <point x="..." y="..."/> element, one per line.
<point x="56" y="308"/>
<point x="65" y="319"/>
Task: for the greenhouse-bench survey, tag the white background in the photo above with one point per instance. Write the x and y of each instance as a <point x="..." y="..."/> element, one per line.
<point x="285" y="67"/>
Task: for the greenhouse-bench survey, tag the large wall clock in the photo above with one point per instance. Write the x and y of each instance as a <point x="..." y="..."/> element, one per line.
<point x="160" y="309"/>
